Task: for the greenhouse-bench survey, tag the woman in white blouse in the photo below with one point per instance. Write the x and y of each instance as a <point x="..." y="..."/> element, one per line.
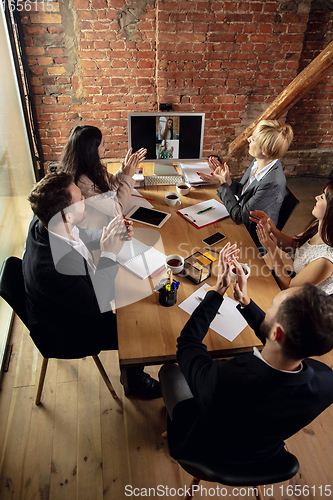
<point x="81" y="157"/>
<point x="313" y="249"/>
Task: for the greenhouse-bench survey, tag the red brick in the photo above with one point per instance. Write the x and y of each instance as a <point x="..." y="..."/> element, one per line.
<point x="116" y="4"/>
<point x="60" y="60"/>
<point x="38" y="90"/>
<point x="56" y="51"/>
<point x="35" y="30"/>
<point x="34" y="51"/>
<point x="45" y="61"/>
<point x="86" y="63"/>
<point x="45" y="18"/>
<point x="81" y="4"/>
<point x="36" y="71"/>
<point x="56" y="70"/>
<point x="54" y="29"/>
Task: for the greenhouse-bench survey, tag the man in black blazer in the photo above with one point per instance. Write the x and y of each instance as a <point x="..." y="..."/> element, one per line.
<point x="245" y="407"/>
<point x="66" y="292"/>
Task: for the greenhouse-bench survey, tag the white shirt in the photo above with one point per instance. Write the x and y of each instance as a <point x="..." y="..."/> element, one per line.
<point x="259" y="175"/>
<point x="258" y="354"/>
<point x="80" y="247"/>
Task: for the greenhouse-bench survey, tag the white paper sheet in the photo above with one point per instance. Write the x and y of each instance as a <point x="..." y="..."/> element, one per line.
<point x="229" y="323"/>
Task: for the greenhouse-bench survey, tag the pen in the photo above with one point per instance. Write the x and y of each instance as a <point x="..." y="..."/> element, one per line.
<point x="200" y="299"/>
<point x="211" y="250"/>
<point x="205" y="210"/>
<point x="144" y="197"/>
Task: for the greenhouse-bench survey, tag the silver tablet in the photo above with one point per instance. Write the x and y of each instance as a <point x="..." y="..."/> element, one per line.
<point x="148" y="216"/>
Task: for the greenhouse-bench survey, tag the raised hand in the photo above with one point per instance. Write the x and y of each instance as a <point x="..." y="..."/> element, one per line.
<point x="132" y="161"/>
<point x="219" y="169"/>
<point x="240" y="286"/>
<point x="215" y="177"/>
<point x="266" y="237"/>
<point x="260" y="217"/>
<point x="226" y="257"/>
<point x="114" y="235"/>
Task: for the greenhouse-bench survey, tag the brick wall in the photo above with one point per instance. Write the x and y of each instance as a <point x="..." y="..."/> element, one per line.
<point x="92" y="61"/>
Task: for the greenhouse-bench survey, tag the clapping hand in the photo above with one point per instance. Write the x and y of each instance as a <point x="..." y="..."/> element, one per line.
<point x="226" y="258"/>
<point x="240" y="287"/>
<point x="219" y="169"/>
<point x="132" y="161"/>
<point x="266" y="237"/>
<point x="259" y="216"/>
<point x="219" y="175"/>
<point x="115" y="234"/>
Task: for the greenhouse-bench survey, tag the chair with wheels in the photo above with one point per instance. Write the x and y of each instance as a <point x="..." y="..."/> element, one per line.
<point x="289" y="204"/>
<point x="279" y="468"/>
<point x="12" y="290"/>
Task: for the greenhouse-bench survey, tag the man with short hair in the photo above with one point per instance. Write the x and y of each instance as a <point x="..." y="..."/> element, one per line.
<point x="246" y="406"/>
<point x="66" y="291"/>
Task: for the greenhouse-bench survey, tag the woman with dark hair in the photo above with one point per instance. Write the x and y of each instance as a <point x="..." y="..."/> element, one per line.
<point x="166" y="133"/>
<point x="81" y="157"/>
<point x="313" y="249"/>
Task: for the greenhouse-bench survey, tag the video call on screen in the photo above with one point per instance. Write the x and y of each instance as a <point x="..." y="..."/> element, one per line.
<point x="143" y="135"/>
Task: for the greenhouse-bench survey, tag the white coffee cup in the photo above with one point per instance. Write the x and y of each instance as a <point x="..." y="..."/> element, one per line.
<point x="246" y="269"/>
<point x="171" y="198"/>
<point x="174" y="265"/>
<point x="183" y="188"/>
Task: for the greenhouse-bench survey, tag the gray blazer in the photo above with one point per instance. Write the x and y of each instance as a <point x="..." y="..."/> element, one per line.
<point x="266" y="195"/>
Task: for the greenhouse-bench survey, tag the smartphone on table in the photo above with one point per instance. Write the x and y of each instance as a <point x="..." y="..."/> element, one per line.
<point x="213" y="239"/>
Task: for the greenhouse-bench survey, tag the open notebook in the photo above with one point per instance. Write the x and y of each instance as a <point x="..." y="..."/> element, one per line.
<point x="139" y="258"/>
<point x="190" y="172"/>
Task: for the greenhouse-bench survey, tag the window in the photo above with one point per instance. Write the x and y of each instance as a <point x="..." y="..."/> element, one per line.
<point x="16" y="170"/>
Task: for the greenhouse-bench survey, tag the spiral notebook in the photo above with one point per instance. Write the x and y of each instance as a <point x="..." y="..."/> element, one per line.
<point x="139" y="258"/>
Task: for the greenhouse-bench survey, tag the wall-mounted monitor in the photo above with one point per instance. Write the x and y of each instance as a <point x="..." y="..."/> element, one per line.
<point x="168" y="137"/>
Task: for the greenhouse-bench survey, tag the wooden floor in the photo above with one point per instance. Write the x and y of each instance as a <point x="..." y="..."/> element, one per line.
<point x="78" y="445"/>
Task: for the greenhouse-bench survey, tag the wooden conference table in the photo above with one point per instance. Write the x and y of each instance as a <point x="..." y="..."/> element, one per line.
<point x="147" y="331"/>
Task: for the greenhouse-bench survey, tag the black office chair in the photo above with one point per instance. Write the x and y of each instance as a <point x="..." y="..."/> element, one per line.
<point x="12" y="290"/>
<point x="279" y="468"/>
<point x="290" y="202"/>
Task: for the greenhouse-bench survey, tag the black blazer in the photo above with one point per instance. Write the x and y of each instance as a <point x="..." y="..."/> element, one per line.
<point x="241" y="406"/>
<point x="266" y="195"/>
<point x="72" y="302"/>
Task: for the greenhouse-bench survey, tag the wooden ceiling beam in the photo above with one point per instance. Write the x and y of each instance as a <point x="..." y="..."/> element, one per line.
<point x="305" y="81"/>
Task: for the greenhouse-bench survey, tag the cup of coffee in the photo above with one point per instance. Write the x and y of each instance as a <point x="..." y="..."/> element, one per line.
<point x="183" y="188"/>
<point x="171" y="198"/>
<point x="175" y="263"/>
<point x="246" y="269"/>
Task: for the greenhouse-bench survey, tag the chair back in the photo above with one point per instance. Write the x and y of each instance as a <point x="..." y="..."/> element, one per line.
<point x="12" y="287"/>
<point x="51" y="342"/>
<point x="289" y="204"/>
<point x="276" y="469"/>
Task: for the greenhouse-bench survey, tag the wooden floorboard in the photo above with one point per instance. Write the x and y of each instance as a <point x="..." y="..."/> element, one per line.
<point x="79" y="444"/>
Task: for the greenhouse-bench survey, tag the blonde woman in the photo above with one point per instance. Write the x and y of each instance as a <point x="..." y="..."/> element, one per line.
<point x="263" y="184"/>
